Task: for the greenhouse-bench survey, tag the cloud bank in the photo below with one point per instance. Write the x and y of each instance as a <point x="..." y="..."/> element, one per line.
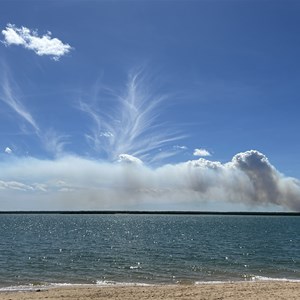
<point x="77" y="183"/>
<point x="29" y="39"/>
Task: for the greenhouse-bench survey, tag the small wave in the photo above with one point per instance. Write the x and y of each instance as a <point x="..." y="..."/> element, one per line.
<point x="23" y="288"/>
<point x="42" y="286"/>
<point x="212" y="282"/>
<point x="253" y="278"/>
<point x="115" y="283"/>
<point x="264" y="278"/>
<point x="100" y="283"/>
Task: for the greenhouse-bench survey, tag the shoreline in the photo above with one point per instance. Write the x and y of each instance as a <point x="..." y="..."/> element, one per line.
<point x="106" y="284"/>
<point x="230" y="290"/>
<point x="103" y="284"/>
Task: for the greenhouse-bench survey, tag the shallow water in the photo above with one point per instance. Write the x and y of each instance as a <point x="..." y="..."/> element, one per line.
<point x="150" y="249"/>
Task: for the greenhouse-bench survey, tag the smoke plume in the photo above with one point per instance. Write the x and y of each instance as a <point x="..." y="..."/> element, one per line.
<point x="76" y="183"/>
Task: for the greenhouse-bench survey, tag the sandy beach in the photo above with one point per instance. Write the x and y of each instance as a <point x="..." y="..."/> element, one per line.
<point x="247" y="290"/>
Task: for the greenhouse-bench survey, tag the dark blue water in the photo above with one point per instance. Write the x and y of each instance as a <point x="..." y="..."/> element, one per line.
<point x="164" y="249"/>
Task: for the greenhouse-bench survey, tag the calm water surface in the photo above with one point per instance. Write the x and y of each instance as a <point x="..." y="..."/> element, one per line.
<point x="164" y="249"/>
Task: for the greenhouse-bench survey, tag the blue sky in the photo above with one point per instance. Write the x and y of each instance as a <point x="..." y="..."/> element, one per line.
<point x="153" y="83"/>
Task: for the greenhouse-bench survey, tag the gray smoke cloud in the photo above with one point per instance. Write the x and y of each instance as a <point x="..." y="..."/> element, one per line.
<point x="76" y="183"/>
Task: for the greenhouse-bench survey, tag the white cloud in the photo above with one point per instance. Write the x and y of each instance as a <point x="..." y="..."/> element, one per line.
<point x="178" y="147"/>
<point x="14" y="185"/>
<point x="106" y="134"/>
<point x="76" y="183"/>
<point x="29" y="39"/>
<point x="39" y="187"/>
<point x="8" y="150"/>
<point x="12" y="37"/>
<point x="129" y="159"/>
<point x="201" y="152"/>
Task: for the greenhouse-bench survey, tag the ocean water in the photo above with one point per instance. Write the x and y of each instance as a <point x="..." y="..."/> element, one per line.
<point x="49" y="249"/>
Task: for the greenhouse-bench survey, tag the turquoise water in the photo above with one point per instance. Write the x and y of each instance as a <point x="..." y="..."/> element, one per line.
<point x="147" y="249"/>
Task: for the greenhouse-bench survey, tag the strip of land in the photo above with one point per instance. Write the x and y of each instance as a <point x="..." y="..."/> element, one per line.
<point x="144" y="212"/>
<point x="233" y="291"/>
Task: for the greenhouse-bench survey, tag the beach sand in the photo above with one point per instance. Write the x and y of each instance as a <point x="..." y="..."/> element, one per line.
<point x="244" y="290"/>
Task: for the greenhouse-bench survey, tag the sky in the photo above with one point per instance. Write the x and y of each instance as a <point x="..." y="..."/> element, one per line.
<point x="149" y="105"/>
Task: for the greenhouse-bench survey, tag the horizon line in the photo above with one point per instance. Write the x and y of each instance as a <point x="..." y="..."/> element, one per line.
<point x="152" y="212"/>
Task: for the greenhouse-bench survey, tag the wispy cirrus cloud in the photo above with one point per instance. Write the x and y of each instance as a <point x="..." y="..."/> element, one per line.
<point x="128" y="123"/>
<point x="122" y="123"/>
<point x="29" y="39"/>
<point x="52" y="141"/>
<point x="9" y="95"/>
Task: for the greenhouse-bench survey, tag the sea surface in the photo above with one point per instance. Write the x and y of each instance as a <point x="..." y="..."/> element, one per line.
<point x="51" y="249"/>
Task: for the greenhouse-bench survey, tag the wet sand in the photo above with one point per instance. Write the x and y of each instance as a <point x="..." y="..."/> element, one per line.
<point x="244" y="290"/>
